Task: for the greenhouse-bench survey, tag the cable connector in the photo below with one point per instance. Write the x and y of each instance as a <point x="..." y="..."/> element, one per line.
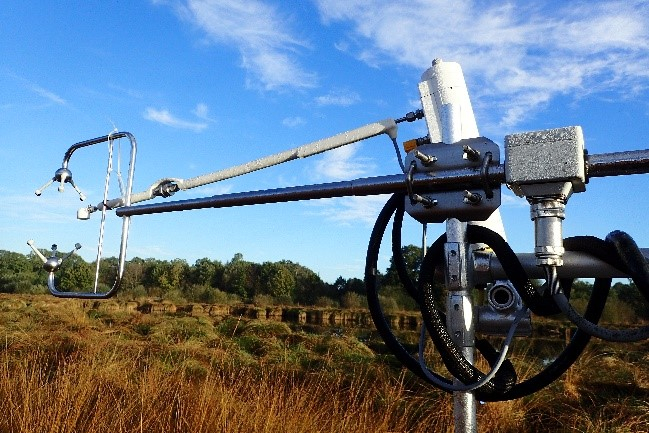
<point x="411" y="116"/>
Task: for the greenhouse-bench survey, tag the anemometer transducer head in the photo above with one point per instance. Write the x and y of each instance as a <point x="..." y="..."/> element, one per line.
<point x="64" y="175"/>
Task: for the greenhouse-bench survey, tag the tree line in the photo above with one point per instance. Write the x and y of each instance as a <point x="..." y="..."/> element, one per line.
<point x="206" y="280"/>
<point x="239" y="280"/>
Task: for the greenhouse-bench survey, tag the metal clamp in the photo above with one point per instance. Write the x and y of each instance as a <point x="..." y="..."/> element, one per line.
<point x="484" y="175"/>
<point x="416" y="198"/>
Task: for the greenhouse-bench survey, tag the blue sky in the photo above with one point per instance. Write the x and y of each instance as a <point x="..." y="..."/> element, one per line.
<point x="207" y="84"/>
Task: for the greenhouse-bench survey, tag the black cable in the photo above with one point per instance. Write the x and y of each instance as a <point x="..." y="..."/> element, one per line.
<point x="450" y="353"/>
<point x="537" y="303"/>
<point x="631" y="260"/>
<point x="485" y="393"/>
<point x="580" y="339"/>
<point x="372" y="285"/>
<point x="619" y="250"/>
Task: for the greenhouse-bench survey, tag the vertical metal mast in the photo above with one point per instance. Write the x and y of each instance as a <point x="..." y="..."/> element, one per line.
<point x="449" y="118"/>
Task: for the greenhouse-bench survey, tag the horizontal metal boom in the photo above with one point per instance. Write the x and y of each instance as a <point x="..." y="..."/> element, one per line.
<point x="389" y="184"/>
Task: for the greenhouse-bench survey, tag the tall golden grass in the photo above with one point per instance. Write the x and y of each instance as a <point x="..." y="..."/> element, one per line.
<point x="66" y="369"/>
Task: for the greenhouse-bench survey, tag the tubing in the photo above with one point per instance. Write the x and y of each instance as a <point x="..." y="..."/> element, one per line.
<point x="630" y="258"/>
<point x="619" y="250"/>
<point x="371" y="282"/>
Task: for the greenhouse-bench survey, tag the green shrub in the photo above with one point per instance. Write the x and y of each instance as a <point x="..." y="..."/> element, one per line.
<point x="326" y="302"/>
<point x="353" y="300"/>
<point x="263" y="300"/>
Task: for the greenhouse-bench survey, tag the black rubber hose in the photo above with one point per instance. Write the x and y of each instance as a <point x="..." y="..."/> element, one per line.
<point x="483" y="346"/>
<point x="614" y="251"/>
<point x="450" y="353"/>
<point x="372" y="283"/>
<point x="631" y="260"/>
<point x="537" y="303"/>
<point x="397" y="254"/>
<point x="580" y="339"/>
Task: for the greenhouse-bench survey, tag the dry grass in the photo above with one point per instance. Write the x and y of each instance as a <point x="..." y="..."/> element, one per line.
<point x="63" y="369"/>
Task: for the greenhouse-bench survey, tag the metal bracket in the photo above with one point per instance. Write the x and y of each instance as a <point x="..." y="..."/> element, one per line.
<point x="468" y="201"/>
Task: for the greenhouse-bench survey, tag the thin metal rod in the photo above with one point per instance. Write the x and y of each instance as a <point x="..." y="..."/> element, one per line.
<point x="607" y="164"/>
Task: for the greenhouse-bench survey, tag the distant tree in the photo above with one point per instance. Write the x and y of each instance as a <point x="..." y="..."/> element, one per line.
<point x="412" y="256"/>
<point x="277" y="280"/>
<point x="629" y="294"/>
<point x="308" y="284"/>
<point x="19" y="273"/>
<point x="237" y="277"/>
<point x="75" y="275"/>
<point x="203" y="272"/>
<point x="581" y="289"/>
<point x="134" y="274"/>
<point x="170" y="275"/>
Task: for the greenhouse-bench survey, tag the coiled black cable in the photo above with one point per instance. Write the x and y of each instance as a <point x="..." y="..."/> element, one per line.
<point x="506" y="375"/>
<point x="619" y="250"/>
<point x="629" y="260"/>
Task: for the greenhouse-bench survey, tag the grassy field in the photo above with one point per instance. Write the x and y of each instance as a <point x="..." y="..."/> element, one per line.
<point x="67" y="368"/>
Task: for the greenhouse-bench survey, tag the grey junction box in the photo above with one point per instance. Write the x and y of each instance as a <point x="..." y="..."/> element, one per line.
<point x="546" y="162"/>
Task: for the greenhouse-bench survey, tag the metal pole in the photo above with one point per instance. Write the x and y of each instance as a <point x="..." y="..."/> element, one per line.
<point x="449" y="115"/>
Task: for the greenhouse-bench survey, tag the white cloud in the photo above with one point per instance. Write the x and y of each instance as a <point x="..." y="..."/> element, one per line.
<point x="40" y="91"/>
<point x="338" y="98"/>
<point x="516" y="56"/>
<point x="202" y="111"/>
<point x="260" y="33"/>
<point x="166" y="118"/>
<point x="351" y="210"/>
<point x="50" y="96"/>
<point x="293" y="122"/>
<point x="341" y="164"/>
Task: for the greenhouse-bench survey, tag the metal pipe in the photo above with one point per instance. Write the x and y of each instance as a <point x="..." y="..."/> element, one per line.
<point x="601" y="165"/>
<point x="86" y="143"/>
<point x="488" y="268"/>
<point x="389" y="184"/>
<point x="617" y="163"/>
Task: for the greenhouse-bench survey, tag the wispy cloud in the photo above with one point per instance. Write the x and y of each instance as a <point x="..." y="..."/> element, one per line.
<point x="516" y="55"/>
<point x="44" y="93"/>
<point x="202" y="111"/>
<point x="338" y="98"/>
<point x="350" y="210"/>
<point x="343" y="164"/>
<point x="293" y="122"/>
<point x="50" y="96"/>
<point x="166" y="118"/>
<point x="260" y="32"/>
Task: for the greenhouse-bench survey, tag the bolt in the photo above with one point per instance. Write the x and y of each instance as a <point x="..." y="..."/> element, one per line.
<point x="426" y="160"/>
<point x="425" y="201"/>
<point x="472" y="198"/>
<point x="470" y="153"/>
